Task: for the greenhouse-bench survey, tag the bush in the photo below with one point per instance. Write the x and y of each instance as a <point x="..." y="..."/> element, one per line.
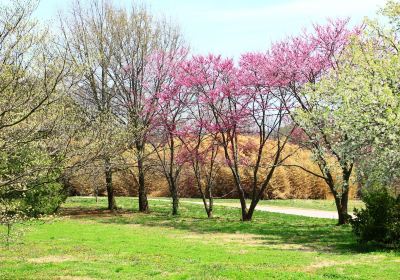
<point x="44" y="199"/>
<point x="35" y="188"/>
<point x="380" y="220"/>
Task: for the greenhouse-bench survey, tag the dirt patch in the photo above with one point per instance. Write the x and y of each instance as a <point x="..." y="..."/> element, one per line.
<point x="52" y="259"/>
<point x="246" y="239"/>
<point x="323" y="264"/>
<point x="292" y="247"/>
<point x="77" y="212"/>
<point x="74" y="278"/>
<point x="356" y="261"/>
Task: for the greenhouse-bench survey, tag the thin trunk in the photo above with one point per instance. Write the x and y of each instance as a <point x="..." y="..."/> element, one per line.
<point x="210" y="209"/>
<point x="143" y="203"/>
<point x="208" y="206"/>
<point x="242" y="199"/>
<point x="8" y="239"/>
<point x="342" y="201"/>
<point x="257" y="194"/>
<point x="243" y="206"/>
<point x="173" y="177"/>
<point x="204" y="199"/>
<point x="241" y="195"/>
<point x="341" y="198"/>
<point x="109" y="186"/>
<point x="210" y="203"/>
<point x="175" y="198"/>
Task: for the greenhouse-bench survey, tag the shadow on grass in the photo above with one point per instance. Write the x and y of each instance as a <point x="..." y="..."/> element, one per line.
<point x="287" y="232"/>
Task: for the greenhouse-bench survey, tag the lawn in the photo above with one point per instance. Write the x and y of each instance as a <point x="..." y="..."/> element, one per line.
<point x="87" y="242"/>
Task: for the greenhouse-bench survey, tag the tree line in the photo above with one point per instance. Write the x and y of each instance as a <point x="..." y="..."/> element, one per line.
<point x="107" y="80"/>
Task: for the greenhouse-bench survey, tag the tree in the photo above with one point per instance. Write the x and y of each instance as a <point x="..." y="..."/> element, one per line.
<point x="167" y="126"/>
<point x="87" y="35"/>
<point x="267" y="115"/>
<point x="144" y="50"/>
<point x="31" y="74"/>
<point x="200" y="147"/>
<point x="363" y="89"/>
<point x="240" y="103"/>
<point x="298" y="65"/>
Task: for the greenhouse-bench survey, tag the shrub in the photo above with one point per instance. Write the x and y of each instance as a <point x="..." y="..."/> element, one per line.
<point x="380" y="220"/>
<point x="44" y="199"/>
<point x="34" y="185"/>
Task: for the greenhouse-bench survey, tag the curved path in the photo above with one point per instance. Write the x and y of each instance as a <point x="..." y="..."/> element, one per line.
<point x="275" y="209"/>
<point x="290" y="210"/>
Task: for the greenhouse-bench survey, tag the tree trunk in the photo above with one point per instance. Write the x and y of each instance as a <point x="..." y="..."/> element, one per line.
<point x="109" y="186"/>
<point x="207" y="206"/>
<point x="250" y="212"/>
<point x="342" y="201"/>
<point x="342" y="198"/>
<point x="241" y="196"/>
<point x="246" y="216"/>
<point x="143" y="203"/>
<point x="210" y="205"/>
<point x="342" y="207"/>
<point x="209" y="213"/>
<point x="175" y="199"/>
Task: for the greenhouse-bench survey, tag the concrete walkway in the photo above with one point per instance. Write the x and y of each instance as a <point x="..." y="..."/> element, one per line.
<point x="290" y="211"/>
<point x="274" y="209"/>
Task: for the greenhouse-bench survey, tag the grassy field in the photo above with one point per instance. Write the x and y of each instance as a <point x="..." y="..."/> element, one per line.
<point x="87" y="243"/>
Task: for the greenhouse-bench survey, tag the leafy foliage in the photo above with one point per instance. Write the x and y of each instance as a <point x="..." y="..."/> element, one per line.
<point x="40" y="193"/>
<point x="380" y="220"/>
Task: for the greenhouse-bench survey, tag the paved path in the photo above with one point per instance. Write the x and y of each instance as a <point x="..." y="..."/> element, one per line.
<point x="275" y="209"/>
<point x="291" y="211"/>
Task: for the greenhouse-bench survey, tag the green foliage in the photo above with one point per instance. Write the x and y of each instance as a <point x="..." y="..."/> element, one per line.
<point x="358" y="102"/>
<point x="39" y="193"/>
<point x="30" y="109"/>
<point x="380" y="220"/>
<point x="44" y="199"/>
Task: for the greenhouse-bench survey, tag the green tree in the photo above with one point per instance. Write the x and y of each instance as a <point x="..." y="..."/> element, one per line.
<point x="31" y="74"/>
<point x="362" y="109"/>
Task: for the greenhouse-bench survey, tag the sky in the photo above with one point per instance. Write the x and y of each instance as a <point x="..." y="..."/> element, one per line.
<point x="232" y="27"/>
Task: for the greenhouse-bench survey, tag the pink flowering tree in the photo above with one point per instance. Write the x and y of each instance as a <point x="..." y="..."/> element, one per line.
<point x="244" y="113"/>
<point x="168" y="126"/>
<point x="298" y="65"/>
<point x="200" y="143"/>
<point x="266" y="116"/>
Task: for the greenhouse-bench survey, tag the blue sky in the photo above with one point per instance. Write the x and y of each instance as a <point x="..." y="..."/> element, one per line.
<point x="232" y="27"/>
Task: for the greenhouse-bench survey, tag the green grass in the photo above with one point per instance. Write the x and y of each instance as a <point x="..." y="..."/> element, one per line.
<point x="130" y="245"/>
